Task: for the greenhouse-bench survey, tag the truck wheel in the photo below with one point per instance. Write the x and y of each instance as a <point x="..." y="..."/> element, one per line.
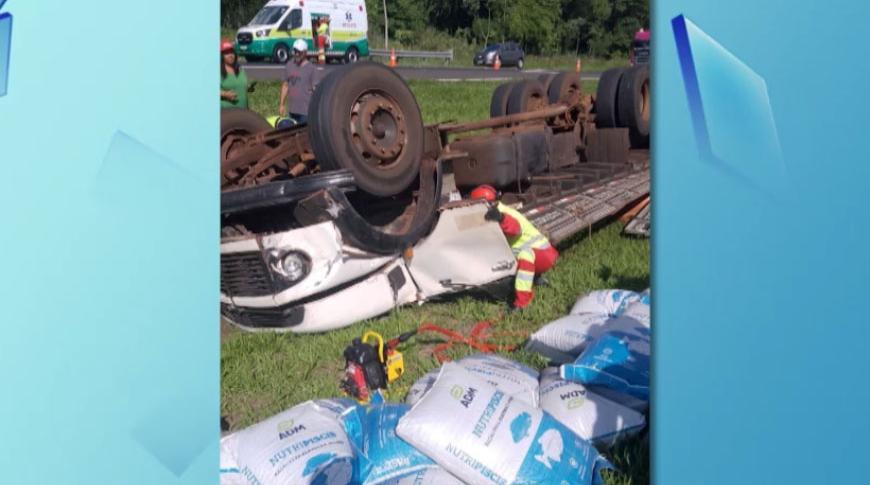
<point x="545" y="80"/>
<point x="526" y="96"/>
<point x="363" y="117"/>
<point x="520" y="64"/>
<point x="606" y="114"/>
<point x="280" y="54"/>
<point x="498" y="102"/>
<point x="564" y="87"/>
<point x="351" y="56"/>
<point x="633" y="104"/>
<point x="235" y="123"/>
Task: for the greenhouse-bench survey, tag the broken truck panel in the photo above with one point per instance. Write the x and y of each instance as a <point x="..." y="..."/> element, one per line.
<point x="284" y="192"/>
<point x="463" y="251"/>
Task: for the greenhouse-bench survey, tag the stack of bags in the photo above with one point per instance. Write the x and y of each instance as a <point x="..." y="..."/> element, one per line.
<point x="481" y="420"/>
<point x="603" y="345"/>
<point x="476" y="421"/>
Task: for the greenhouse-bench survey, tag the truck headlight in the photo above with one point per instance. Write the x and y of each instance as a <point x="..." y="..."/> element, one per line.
<point x="291" y="266"/>
<point x="262" y="33"/>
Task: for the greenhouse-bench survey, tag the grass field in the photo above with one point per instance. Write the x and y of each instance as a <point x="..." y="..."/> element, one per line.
<point x="262" y="374"/>
<point x="439" y="101"/>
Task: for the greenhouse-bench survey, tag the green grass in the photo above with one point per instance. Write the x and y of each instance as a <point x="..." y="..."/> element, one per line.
<point x="262" y="374"/>
<point x="439" y="101"/>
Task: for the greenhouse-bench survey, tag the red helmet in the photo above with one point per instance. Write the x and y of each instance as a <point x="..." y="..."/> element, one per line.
<point x="226" y="46"/>
<point x="485" y="192"/>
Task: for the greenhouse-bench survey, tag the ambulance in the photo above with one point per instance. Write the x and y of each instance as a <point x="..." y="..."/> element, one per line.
<point x="270" y="34"/>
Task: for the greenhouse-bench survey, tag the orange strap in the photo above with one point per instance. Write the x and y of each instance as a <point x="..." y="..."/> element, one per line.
<point x="477" y="339"/>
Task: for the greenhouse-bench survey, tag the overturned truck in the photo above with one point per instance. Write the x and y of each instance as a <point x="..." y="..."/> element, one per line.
<point x="362" y="210"/>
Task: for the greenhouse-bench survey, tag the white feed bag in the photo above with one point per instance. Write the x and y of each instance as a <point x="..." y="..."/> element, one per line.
<point x="626" y="400"/>
<point x="305" y="444"/>
<point x="606" y="302"/>
<point x="638" y="311"/>
<point x="482" y="435"/>
<point x="429" y="476"/>
<point x="562" y="340"/>
<point x="591" y="416"/>
<point x="420" y="386"/>
<point x="513" y="378"/>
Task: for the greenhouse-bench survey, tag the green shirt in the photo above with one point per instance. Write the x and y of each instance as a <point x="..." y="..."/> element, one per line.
<point x="238" y="83"/>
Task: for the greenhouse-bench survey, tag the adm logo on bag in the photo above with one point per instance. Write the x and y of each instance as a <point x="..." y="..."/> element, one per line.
<point x="464" y="396"/>
<point x="287" y="429"/>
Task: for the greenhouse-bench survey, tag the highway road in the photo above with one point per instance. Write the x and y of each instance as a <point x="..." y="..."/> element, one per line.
<point x="273" y="72"/>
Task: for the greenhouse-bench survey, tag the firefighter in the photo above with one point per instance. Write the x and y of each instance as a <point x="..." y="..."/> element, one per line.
<point x="535" y="255"/>
<point x="321" y="40"/>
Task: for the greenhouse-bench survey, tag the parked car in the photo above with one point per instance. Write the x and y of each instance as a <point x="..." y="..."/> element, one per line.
<point x="510" y="53"/>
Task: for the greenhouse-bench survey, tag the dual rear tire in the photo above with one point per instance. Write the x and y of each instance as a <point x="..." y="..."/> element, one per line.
<point x="623" y="101"/>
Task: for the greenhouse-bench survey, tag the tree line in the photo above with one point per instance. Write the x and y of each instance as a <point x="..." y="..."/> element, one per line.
<point x="600" y="28"/>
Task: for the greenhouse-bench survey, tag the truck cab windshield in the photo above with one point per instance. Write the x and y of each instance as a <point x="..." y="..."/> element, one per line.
<point x="268" y="16"/>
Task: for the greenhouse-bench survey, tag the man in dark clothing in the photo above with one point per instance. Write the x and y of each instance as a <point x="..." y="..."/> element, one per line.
<point x="300" y="78"/>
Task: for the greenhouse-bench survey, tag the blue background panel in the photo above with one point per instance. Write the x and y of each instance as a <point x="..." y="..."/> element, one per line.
<point x="110" y="352"/>
<point x="761" y="326"/>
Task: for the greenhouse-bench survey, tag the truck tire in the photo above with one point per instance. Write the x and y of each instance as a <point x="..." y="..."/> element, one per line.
<point x="606" y="114"/>
<point x="545" y="80"/>
<point x="364" y="118"/>
<point x="564" y="87"/>
<point x="239" y="122"/>
<point x="281" y="53"/>
<point x="526" y="96"/>
<point x="351" y="55"/>
<point x="498" y="102"/>
<point x="633" y="103"/>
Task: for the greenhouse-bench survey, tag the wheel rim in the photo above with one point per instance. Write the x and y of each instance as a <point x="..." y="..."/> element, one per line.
<point x="282" y="54"/>
<point x="644" y="102"/>
<point x="535" y="102"/>
<point x="231" y="143"/>
<point x="352" y="56"/>
<point x="520" y="64"/>
<point x="571" y="94"/>
<point x="378" y="129"/>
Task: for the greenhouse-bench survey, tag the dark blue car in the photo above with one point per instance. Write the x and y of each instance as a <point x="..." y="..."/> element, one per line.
<point x="510" y="53"/>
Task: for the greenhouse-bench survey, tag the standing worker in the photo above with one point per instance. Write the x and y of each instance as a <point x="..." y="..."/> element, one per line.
<point x="234" y="82"/>
<point x="300" y="79"/>
<point x="321" y="40"/>
<point x="535" y="255"/>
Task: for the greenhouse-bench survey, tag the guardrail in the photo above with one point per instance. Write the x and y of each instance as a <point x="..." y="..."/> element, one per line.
<point x="446" y="55"/>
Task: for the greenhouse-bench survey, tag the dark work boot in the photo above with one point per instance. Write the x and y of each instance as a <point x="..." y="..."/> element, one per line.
<point x="541" y="281"/>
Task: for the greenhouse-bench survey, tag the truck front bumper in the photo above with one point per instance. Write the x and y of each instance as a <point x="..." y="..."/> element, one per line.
<point x="374" y="295"/>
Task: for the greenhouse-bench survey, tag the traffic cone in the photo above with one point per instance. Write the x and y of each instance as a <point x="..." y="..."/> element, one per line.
<point x="496" y="65"/>
<point x="577" y="69"/>
<point x="393" y="57"/>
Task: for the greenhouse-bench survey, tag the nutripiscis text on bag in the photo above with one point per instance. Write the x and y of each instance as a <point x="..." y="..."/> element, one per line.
<point x="482" y="435"/>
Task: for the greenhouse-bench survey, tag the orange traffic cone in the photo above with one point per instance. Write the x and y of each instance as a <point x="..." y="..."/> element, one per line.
<point x="577" y="69"/>
<point x="496" y="65"/>
<point x="393" y="57"/>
